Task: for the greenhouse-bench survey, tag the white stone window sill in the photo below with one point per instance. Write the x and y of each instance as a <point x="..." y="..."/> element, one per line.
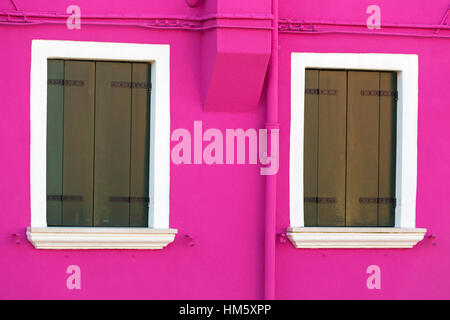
<point x="99" y="238"/>
<point x="318" y="237"/>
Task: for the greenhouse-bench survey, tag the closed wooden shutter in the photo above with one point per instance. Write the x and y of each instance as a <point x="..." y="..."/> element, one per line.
<point x="350" y="134"/>
<point x="98" y="143"/>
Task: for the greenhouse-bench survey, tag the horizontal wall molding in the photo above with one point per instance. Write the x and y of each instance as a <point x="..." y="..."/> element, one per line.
<point x="161" y="22"/>
<point x="291" y="26"/>
<point x="310" y="25"/>
<point x="233" y="21"/>
<point x="316" y="237"/>
<point x="100" y="238"/>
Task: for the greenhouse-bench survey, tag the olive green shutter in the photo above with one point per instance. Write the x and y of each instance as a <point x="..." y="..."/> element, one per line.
<point x="140" y="136"/>
<point x="355" y="150"/>
<point x="98" y="143"/>
<point x="78" y="143"/>
<point x="112" y="145"/>
<point x="387" y="149"/>
<point x="55" y="114"/>
<point x="311" y="131"/>
<point x="331" y="148"/>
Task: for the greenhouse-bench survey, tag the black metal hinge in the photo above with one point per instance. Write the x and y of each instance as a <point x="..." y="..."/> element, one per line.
<point x="59" y="197"/>
<point x="320" y="200"/>
<point x="62" y="82"/>
<point x="379" y="200"/>
<point x="134" y="85"/>
<point x="328" y="92"/>
<point x="129" y="199"/>
<point x="380" y="93"/>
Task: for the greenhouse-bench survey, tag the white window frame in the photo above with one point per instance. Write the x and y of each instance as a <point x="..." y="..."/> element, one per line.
<point x="158" y="234"/>
<point x="406" y="67"/>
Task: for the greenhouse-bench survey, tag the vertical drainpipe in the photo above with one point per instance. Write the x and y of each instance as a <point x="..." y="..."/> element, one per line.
<point x="271" y="180"/>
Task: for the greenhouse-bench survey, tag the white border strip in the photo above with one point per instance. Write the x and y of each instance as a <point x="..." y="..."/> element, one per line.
<point x="406" y="66"/>
<point x="159" y="57"/>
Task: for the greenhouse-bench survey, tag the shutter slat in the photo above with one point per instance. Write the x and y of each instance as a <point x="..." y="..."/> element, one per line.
<point x="55" y="113"/>
<point x="388" y="128"/>
<point x="331" y="148"/>
<point x="362" y="149"/>
<point x="112" y="144"/>
<point x="78" y="143"/>
<point x="140" y="135"/>
<point x="311" y="147"/>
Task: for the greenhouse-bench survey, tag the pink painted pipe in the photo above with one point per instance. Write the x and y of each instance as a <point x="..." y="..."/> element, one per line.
<point x="383" y="33"/>
<point x="359" y="24"/>
<point x="205" y="17"/>
<point x="141" y="25"/>
<point x="168" y="23"/>
<point x="271" y="180"/>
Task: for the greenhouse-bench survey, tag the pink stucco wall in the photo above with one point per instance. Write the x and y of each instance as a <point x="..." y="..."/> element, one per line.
<point x="222" y="206"/>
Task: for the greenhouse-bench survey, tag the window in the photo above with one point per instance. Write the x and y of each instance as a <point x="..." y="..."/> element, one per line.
<point x="349" y="149"/>
<point x="108" y="145"/>
<point x="98" y="142"/>
<point x="353" y="150"/>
